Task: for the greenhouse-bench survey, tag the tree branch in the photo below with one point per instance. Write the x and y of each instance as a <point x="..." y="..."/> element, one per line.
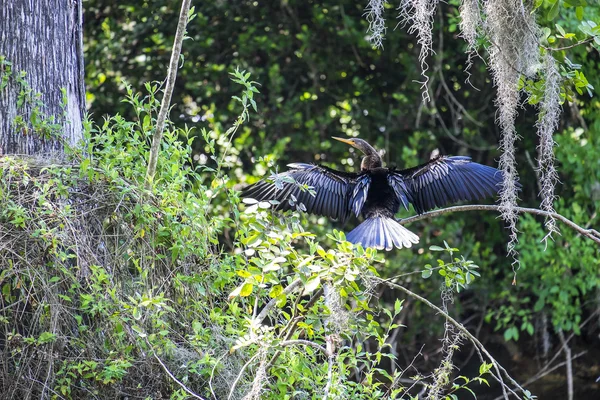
<point x="590" y="233"/>
<point x="568" y="359"/>
<point x="304" y="343"/>
<point x="188" y="391"/>
<point x="546" y="369"/>
<point x="585" y="41"/>
<point x="499" y="368"/>
<point x="240" y="374"/>
<point x="330" y="359"/>
<point x="294" y="324"/>
<point x="166" y="100"/>
<point x="263" y="313"/>
<point x="543" y="373"/>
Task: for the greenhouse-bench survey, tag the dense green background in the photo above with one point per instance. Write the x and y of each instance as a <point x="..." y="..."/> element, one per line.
<point x="319" y="77"/>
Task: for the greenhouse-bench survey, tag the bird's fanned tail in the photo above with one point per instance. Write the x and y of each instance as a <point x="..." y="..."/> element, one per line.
<point x="382" y="232"/>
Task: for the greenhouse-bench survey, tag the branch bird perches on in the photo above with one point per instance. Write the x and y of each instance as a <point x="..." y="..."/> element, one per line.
<point x="376" y="192"/>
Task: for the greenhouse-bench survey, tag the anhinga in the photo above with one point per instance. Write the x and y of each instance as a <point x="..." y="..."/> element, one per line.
<point x="377" y="192"/>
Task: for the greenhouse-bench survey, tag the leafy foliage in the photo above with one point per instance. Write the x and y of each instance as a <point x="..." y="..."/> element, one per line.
<point x="123" y="285"/>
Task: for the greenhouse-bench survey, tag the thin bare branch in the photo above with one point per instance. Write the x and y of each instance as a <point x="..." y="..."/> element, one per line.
<point x="589" y="233"/>
<point x="585" y="41"/>
<point x="291" y="327"/>
<point x="330" y="359"/>
<point x="499" y="368"/>
<point x="166" y="100"/>
<point x="263" y="313"/>
<point x="569" y="364"/>
<point x="304" y="343"/>
<point x="240" y="374"/>
<point x="543" y="373"/>
<point x="187" y="390"/>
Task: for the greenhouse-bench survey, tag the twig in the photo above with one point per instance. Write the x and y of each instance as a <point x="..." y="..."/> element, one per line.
<point x="502" y="385"/>
<point x="166" y="100"/>
<point x="456" y="102"/>
<point x="304" y="343"/>
<point x="330" y="359"/>
<point x="50" y="389"/>
<point x="567" y="350"/>
<point x="326" y="351"/>
<point x="500" y="370"/>
<point x="241" y="373"/>
<point x="294" y="324"/>
<point x="588" y="40"/>
<point x="212" y="374"/>
<point x="534" y="168"/>
<point x="584" y="323"/>
<point x="412" y="382"/>
<point x="543" y="373"/>
<point x="263" y="313"/>
<point x="590" y="233"/>
<point x="194" y="395"/>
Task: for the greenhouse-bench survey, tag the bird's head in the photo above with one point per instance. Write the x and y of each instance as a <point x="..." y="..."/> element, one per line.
<point x="371" y="160"/>
<point x="359" y="144"/>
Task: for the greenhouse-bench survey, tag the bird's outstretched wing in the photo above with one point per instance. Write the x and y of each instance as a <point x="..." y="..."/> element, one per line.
<point x="331" y="193"/>
<point x="445" y="180"/>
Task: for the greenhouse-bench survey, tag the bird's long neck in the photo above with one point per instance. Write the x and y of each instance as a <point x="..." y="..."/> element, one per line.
<point x="371" y="160"/>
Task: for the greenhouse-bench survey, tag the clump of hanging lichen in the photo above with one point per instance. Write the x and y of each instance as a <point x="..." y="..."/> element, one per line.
<point x="374" y="14"/>
<point x="546" y="125"/>
<point x="513" y="53"/>
<point x="418" y="15"/>
<point x="470" y="26"/>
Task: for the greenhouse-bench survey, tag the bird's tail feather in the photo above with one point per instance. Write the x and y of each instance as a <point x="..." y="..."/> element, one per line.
<point x="382" y="233"/>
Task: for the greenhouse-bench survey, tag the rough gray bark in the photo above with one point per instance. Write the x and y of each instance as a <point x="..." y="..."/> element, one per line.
<point x="42" y="38"/>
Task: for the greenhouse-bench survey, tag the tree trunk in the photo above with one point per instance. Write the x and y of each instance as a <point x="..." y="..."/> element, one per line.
<point x="42" y="95"/>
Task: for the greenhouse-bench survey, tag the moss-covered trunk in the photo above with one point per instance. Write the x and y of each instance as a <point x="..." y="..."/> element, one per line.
<point x="42" y="96"/>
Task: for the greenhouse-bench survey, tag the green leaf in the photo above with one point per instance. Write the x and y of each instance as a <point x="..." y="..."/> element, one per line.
<point x="46" y="337"/>
<point x="586" y="27"/>
<point x="312" y="284"/>
<point x="539" y="304"/>
<point x="281" y="300"/>
<point x="485" y="368"/>
<point x="275" y="291"/>
<point x="426" y="274"/>
<point x="436" y="248"/>
<point x="553" y="13"/>
<point x="470" y="391"/>
<point x="529" y="329"/>
<point x="579" y="13"/>
<point x="246" y="289"/>
<point x="243" y="273"/>
<point x="508" y="334"/>
<point x="397" y="306"/>
<point x="546" y="32"/>
<point x="574" y="3"/>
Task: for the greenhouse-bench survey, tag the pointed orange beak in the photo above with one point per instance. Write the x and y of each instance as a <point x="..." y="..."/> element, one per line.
<point x="347" y="141"/>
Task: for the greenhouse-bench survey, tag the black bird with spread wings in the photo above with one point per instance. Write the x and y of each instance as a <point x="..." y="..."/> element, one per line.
<point x="376" y="192"/>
